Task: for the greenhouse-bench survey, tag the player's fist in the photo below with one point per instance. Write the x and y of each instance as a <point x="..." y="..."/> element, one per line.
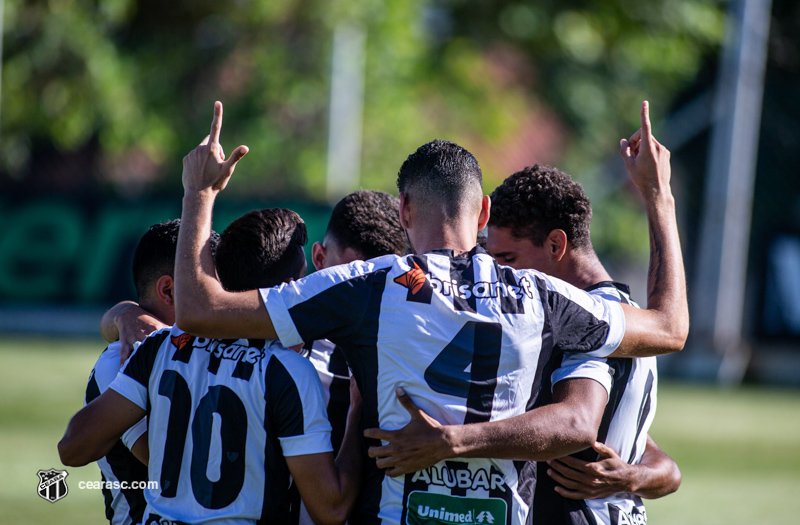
<point x="645" y="158"/>
<point x="205" y="167"/>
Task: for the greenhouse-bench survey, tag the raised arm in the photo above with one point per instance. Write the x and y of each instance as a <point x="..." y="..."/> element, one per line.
<point x="563" y="427"/>
<point x="664" y="326"/>
<point x="202" y="307"/>
<point x="657" y="475"/>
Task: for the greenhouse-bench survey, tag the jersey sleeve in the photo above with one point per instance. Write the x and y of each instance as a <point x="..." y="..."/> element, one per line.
<point x="132" y="435"/>
<point x="133" y="379"/>
<point x="329" y="304"/>
<point x="583" y="366"/>
<point x="103" y="373"/>
<point x="296" y="409"/>
<point x="581" y="322"/>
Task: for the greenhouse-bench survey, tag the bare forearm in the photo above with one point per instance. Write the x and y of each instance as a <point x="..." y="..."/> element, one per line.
<point x="348" y="461"/>
<point x="657" y="475"/>
<point x="664" y="326"/>
<point x="539" y="435"/>
<point x="80" y="446"/>
<point x="202" y="307"/>
<point x="666" y="280"/>
<point x="108" y="328"/>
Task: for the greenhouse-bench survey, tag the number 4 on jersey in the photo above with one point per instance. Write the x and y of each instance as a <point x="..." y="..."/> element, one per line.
<point x="467" y="368"/>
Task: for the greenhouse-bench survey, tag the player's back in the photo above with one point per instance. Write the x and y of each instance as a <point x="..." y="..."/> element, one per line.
<point x="119" y="467"/>
<point x="626" y="420"/>
<point x="464" y="338"/>
<point x="222" y="415"/>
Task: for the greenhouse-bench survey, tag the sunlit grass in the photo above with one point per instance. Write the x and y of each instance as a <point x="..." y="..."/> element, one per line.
<point x="738" y="450"/>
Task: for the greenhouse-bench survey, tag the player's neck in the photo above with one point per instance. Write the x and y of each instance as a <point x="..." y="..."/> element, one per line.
<point x="583" y="269"/>
<point x="161" y="311"/>
<point x="433" y="237"/>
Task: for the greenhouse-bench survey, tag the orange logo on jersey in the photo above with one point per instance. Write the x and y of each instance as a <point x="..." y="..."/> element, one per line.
<point x="413" y="279"/>
<point x="181" y="340"/>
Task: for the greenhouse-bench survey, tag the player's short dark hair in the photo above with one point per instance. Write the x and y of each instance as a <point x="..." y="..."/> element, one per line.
<point x="155" y="255"/>
<point x="369" y="223"/>
<point x="442" y="173"/>
<point x="262" y="248"/>
<point x="539" y="199"/>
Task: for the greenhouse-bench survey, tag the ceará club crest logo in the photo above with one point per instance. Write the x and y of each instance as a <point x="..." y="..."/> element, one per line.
<point x="52" y="484"/>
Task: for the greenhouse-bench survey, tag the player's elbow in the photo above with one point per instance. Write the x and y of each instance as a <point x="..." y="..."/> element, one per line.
<point x="335" y="514"/>
<point x="190" y="316"/>
<point x="674" y="480"/>
<point x="71" y="453"/>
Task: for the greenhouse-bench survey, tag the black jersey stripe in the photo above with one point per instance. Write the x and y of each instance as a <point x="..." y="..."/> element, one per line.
<point x="274" y="508"/>
<point x="339" y="401"/>
<point x="363" y="360"/>
<point x="126" y="468"/>
<point x="644" y="411"/>
<point x="141" y="362"/>
<point x="92" y="389"/>
<point x="284" y="406"/>
<point x="463" y="271"/>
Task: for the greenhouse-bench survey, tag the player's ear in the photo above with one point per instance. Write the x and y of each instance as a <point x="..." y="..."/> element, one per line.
<point x="556" y="244"/>
<point x="486" y="208"/>
<point x="405" y="213"/>
<point x="165" y="288"/>
<point x="318" y="255"/>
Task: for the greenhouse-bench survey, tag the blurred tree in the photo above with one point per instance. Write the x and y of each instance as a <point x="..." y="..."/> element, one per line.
<point x="112" y="94"/>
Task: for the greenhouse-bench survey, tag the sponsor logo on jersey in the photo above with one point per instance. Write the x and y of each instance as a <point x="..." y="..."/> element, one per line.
<point x="179" y="341"/>
<point x="461" y="478"/>
<point x="618" y="516"/>
<point x="230" y="349"/>
<point x="414" y="279"/>
<point x="426" y="508"/>
<point x="52" y="484"/>
<point x="482" y="289"/>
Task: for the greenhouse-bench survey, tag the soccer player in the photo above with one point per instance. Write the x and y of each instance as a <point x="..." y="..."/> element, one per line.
<point x="153" y="265"/>
<point x="541" y="220"/>
<point x="229" y="420"/>
<point x="545" y="205"/>
<point x="460" y="334"/>
<point x="363" y="225"/>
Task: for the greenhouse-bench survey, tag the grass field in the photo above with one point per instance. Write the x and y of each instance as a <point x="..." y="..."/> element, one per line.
<point x="739" y="450"/>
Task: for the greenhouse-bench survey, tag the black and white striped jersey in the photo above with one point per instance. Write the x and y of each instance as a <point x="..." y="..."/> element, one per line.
<point x="626" y="421"/>
<point x="334" y="374"/>
<point x="465" y="338"/>
<point x="222" y="415"/>
<point x="119" y="466"/>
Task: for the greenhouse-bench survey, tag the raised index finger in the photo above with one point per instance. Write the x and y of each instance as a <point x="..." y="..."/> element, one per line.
<point x="216" y="124"/>
<point x="646" y="134"/>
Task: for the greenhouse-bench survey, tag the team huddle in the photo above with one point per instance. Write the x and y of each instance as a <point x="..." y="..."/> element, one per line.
<point x="419" y="376"/>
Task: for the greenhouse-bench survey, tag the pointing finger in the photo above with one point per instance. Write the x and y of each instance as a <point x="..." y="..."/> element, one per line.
<point x="646" y="134"/>
<point x="216" y="124"/>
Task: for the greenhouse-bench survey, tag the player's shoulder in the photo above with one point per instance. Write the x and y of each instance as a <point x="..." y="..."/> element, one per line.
<point x="297" y="366"/>
<point x="612" y="291"/>
<point x="106" y="368"/>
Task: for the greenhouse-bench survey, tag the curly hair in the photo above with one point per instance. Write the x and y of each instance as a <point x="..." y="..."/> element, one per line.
<point x="262" y="248"/>
<point x="539" y="199"/>
<point x="369" y="223"/>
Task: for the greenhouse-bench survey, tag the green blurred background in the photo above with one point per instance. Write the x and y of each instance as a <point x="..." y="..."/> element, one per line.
<point x="99" y="102"/>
